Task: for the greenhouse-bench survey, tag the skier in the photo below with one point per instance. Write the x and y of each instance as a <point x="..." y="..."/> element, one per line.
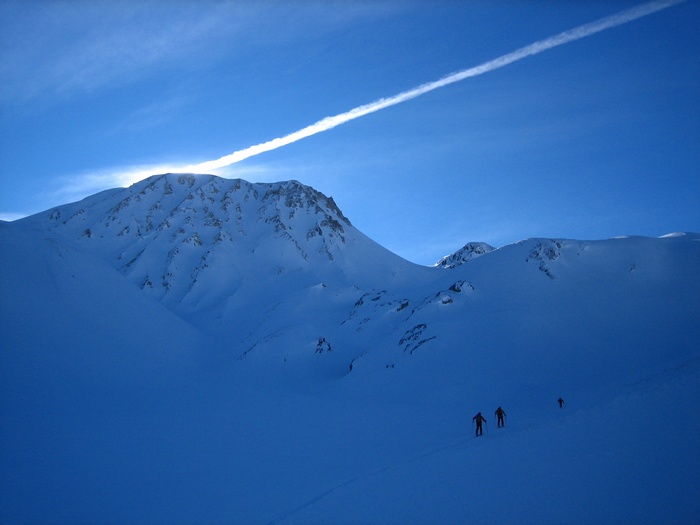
<point x="479" y="419"/>
<point x="561" y="402"/>
<point x="499" y="414"/>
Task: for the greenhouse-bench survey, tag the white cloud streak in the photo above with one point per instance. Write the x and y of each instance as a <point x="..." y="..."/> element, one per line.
<point x="328" y="123"/>
<point x="109" y="178"/>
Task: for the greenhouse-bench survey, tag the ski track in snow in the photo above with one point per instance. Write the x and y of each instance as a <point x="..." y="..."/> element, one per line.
<point x="356" y="479"/>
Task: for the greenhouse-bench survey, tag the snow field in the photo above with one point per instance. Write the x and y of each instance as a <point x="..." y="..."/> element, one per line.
<point x="343" y="390"/>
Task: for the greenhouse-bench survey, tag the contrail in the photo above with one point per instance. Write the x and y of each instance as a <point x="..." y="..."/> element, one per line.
<point x="533" y="49"/>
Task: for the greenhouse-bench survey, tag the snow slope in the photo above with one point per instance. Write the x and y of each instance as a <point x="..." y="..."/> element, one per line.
<point x="281" y="367"/>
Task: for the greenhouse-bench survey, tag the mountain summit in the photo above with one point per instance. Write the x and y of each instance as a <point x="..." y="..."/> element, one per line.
<point x="184" y="239"/>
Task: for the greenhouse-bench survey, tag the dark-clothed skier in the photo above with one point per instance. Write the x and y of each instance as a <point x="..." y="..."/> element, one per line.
<point x="479" y="419"/>
<point x="561" y="402"/>
<point x="499" y="414"/>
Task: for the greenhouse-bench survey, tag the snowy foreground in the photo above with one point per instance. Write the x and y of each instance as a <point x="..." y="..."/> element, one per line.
<point x="332" y="382"/>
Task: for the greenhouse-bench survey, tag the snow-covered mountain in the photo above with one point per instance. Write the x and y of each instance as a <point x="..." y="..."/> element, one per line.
<point x="173" y="235"/>
<point x="196" y="349"/>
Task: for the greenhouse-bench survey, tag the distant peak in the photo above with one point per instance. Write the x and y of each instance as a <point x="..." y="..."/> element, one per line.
<point x="468" y="252"/>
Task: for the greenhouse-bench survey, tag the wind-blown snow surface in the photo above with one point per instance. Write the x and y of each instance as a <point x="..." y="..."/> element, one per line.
<point x="199" y="350"/>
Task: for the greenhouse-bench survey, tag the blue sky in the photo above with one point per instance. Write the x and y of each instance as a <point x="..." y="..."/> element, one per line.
<point x="592" y="139"/>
